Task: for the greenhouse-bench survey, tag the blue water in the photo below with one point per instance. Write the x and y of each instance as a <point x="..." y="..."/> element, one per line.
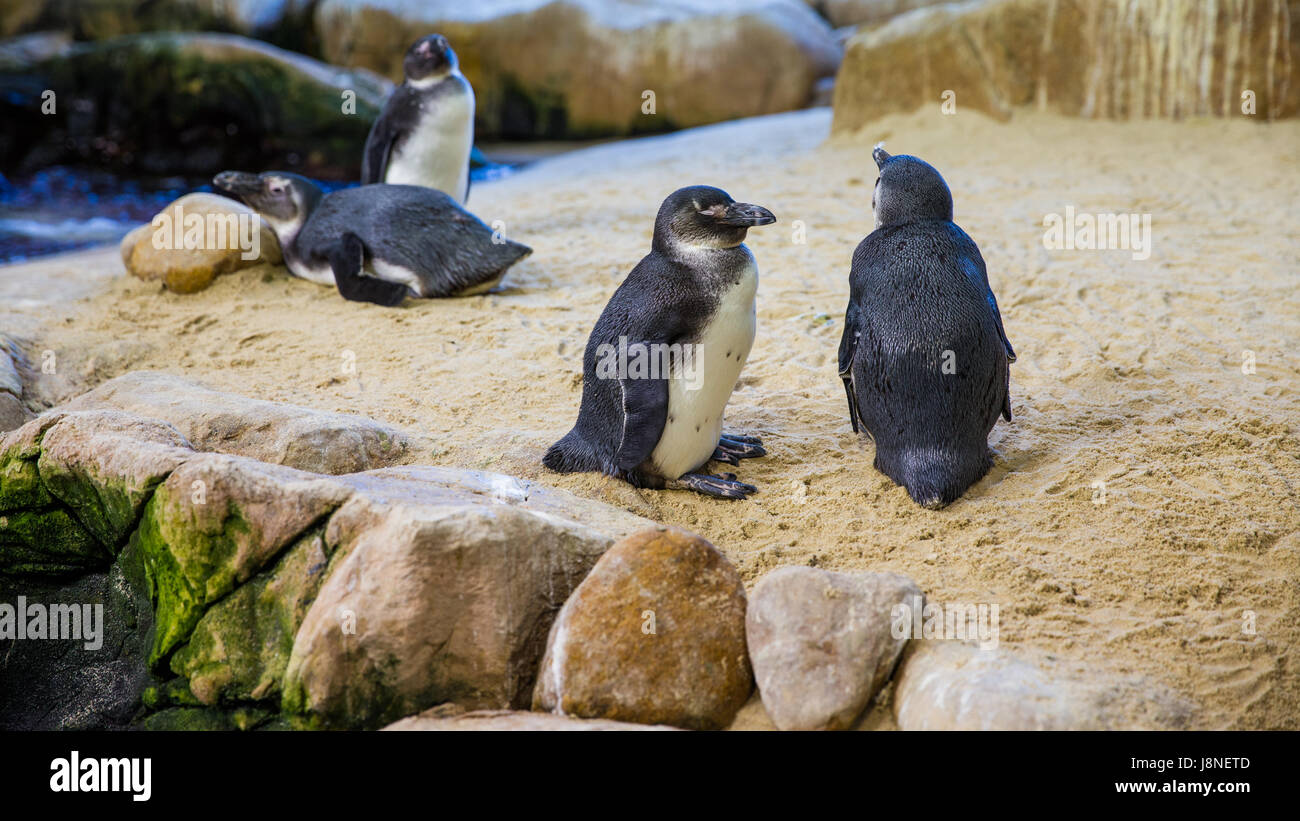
<point x="63" y="209"/>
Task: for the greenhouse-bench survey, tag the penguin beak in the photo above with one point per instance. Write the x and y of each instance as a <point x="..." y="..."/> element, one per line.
<point x="880" y="155"/>
<point x="746" y="214"/>
<point x="238" y="183"/>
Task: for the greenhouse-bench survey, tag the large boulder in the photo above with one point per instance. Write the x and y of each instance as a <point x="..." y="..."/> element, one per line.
<point x="151" y="251"/>
<point x="268" y="431"/>
<point x="186" y="104"/>
<point x="73" y="486"/>
<point x="946" y="685"/>
<point x="655" y="635"/>
<point x="503" y="720"/>
<point x="440" y="591"/>
<point x="215" y="522"/>
<point x="1091" y="58"/>
<point x="821" y="642"/>
<point x="102" y="19"/>
<point x="575" y="68"/>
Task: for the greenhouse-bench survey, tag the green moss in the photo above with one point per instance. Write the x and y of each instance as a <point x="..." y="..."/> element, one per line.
<point x="20" y="485"/>
<point x="188" y="719"/>
<point x="107" y="508"/>
<point x="240" y="647"/>
<point x="47" y="541"/>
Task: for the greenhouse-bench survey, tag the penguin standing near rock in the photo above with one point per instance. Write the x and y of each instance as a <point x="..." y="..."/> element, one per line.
<point x="924" y="357"/>
<point x="426" y="131"/>
<point x="376" y="243"/>
<point x="693" y="294"/>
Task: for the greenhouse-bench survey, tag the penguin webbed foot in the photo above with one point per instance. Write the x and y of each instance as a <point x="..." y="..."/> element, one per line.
<point x="725" y="486"/>
<point x="734" y="447"/>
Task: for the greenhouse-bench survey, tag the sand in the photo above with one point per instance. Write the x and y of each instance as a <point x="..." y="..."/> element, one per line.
<point x="1129" y="373"/>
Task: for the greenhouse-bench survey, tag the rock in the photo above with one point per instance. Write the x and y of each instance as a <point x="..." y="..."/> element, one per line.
<point x="654" y="635"/>
<point x="821" y="643"/>
<point x="437" y="593"/>
<point x="112" y="18"/>
<point x="944" y="685"/>
<point x="72" y="487"/>
<point x="870" y="12"/>
<point x="499" y="720"/>
<point x="267" y="431"/>
<point x="151" y="251"/>
<point x="13" y="413"/>
<point x="184" y="104"/>
<point x="578" y="68"/>
<point x="104" y="465"/>
<point x="240" y="647"/>
<point x="1091" y="58"/>
<point x="215" y="522"/>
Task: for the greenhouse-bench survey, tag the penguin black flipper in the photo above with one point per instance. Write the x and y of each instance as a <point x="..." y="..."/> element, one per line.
<point x="400" y="116"/>
<point x="347" y="258"/>
<point x="848" y="349"/>
<point x="980" y="274"/>
<point x="645" y="410"/>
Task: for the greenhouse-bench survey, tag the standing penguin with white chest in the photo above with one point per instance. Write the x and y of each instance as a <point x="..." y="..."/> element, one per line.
<point x="692" y="294"/>
<point x="924" y="357"/>
<point x="425" y="133"/>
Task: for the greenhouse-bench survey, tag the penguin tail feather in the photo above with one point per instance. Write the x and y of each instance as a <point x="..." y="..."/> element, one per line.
<point x="935" y="478"/>
<point x="570" y="455"/>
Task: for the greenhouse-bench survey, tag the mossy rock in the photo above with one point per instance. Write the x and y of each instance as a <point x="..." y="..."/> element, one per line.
<point x="240" y="647"/>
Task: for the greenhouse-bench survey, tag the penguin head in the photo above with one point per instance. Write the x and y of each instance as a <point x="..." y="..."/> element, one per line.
<point x="428" y="60"/>
<point x="908" y="189"/>
<point x="284" y="200"/>
<point x="703" y="217"/>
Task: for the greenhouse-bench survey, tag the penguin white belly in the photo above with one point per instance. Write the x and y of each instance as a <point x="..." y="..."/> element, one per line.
<point x="694" y="420"/>
<point x="436" y="153"/>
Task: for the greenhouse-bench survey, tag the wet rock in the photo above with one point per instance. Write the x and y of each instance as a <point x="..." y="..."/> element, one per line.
<point x="821" y="642"/>
<point x="215" y="522"/>
<point x="654" y="635"/>
<point x="186" y="104"/>
<point x="440" y="593"/>
<point x="1091" y="58"/>
<point x="267" y="431"/>
<point x="500" y="720"/>
<point x="955" y="686"/>
<point x="580" y="67"/>
<point x="157" y="251"/>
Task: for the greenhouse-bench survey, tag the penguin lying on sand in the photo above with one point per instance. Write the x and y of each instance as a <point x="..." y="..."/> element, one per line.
<point x="696" y="288"/>
<point x="924" y="357"/>
<point x="426" y="131"/>
<point x="377" y="243"/>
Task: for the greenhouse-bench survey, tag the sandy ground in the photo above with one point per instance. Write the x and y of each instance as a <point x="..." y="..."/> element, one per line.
<point x="1129" y="373"/>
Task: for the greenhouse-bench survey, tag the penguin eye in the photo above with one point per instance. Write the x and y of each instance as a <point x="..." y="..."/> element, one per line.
<point x="276" y="187"/>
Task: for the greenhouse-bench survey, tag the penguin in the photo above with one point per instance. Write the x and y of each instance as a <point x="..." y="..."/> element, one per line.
<point x="376" y="243"/>
<point x="425" y="133"/>
<point x="695" y="289"/>
<point x="924" y="357"/>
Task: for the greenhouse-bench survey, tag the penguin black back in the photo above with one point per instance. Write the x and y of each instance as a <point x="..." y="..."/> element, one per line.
<point x="924" y="357"/>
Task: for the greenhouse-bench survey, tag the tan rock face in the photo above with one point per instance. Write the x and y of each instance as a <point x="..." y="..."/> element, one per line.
<point x="655" y="635"/>
<point x="1091" y="58"/>
<point x="502" y="720"/>
<point x="945" y="685"/>
<point x="821" y="642"/>
<point x="436" y="594"/>
<point x="104" y="465"/>
<point x="869" y="12"/>
<point x="268" y="431"/>
<point x="187" y="260"/>
<point x="580" y="67"/>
